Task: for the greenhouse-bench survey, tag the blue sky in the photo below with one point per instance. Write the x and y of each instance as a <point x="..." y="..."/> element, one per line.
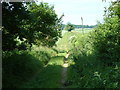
<point x="91" y="10"/>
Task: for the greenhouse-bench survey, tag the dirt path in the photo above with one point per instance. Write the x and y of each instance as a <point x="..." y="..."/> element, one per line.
<point x="64" y="74"/>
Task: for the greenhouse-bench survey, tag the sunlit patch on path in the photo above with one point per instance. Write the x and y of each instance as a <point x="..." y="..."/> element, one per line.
<point x="65" y="65"/>
<point x="64" y="72"/>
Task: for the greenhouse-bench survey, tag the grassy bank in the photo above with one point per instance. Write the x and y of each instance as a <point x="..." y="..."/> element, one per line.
<point x="88" y="71"/>
<point x="19" y="67"/>
<point x="49" y="77"/>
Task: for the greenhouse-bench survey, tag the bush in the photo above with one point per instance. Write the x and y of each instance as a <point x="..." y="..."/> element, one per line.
<point x="106" y="38"/>
<point x="43" y="56"/>
<point x="89" y="70"/>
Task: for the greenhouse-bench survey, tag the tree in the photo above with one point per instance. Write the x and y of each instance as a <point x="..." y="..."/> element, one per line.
<point x="45" y="24"/>
<point x="69" y="27"/>
<point x="25" y="24"/>
<point x="13" y="15"/>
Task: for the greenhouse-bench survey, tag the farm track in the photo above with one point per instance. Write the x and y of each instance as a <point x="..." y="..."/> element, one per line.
<point x="64" y="74"/>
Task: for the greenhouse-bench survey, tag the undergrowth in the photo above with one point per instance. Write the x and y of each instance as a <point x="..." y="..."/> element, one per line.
<point x="19" y="66"/>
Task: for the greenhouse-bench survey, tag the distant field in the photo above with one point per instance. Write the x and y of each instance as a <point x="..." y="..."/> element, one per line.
<point x="85" y="30"/>
<point x="64" y="43"/>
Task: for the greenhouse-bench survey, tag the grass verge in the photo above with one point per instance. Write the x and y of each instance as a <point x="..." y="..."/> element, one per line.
<point x="49" y="77"/>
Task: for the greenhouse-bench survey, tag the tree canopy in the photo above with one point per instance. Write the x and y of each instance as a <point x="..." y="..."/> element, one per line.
<point x="26" y="23"/>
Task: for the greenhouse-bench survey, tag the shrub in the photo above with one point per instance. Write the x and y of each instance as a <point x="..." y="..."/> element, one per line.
<point x="106" y="38"/>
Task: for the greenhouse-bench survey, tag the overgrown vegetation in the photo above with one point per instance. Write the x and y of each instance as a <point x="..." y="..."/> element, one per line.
<point x="20" y="66"/>
<point x="96" y="57"/>
<point x="49" y="77"/>
<point x="29" y="33"/>
<point x="106" y="39"/>
<point x="30" y="24"/>
<point x="31" y="61"/>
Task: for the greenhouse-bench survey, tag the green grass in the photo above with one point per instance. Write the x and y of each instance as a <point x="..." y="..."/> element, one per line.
<point x="28" y="68"/>
<point x="64" y="43"/>
<point x="49" y="77"/>
<point x="18" y="68"/>
<point x="88" y="71"/>
<point x="61" y="54"/>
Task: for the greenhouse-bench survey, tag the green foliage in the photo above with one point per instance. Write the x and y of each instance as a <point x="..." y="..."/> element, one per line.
<point x="51" y="51"/>
<point x="19" y="66"/>
<point x="88" y="71"/>
<point x="13" y="15"/>
<point x="96" y="57"/>
<point x="69" y="27"/>
<point x="44" y="57"/>
<point x="30" y="24"/>
<point x="45" y="24"/>
<point x="49" y="77"/>
<point x="106" y="38"/>
<point x="24" y="26"/>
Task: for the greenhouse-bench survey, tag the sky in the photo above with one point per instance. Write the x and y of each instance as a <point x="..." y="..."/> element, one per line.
<point x="90" y="10"/>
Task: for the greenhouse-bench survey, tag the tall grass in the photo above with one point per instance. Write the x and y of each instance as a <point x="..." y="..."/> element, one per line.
<point x="19" y="66"/>
<point x="49" y="77"/>
<point x="88" y="70"/>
